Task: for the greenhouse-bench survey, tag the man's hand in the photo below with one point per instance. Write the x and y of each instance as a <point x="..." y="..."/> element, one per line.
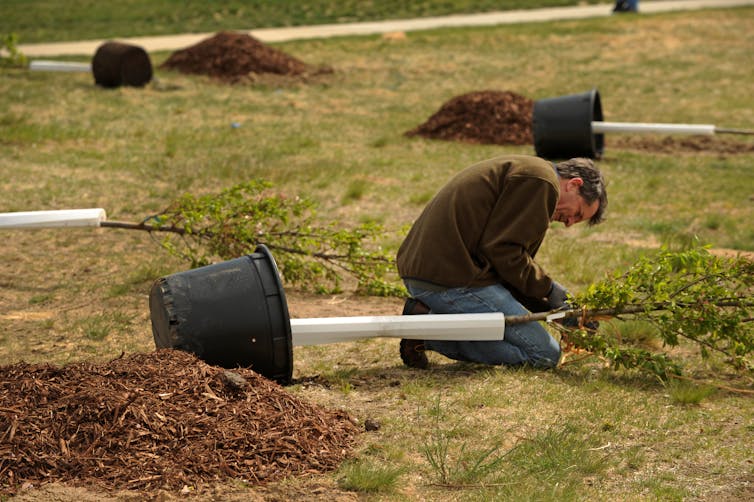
<point x="575" y="322"/>
<point x="557" y="298"/>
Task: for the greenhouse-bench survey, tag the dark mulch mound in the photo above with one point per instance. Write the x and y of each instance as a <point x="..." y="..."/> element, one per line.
<point x="483" y="117"/>
<point x="158" y="420"/>
<point x="230" y="57"/>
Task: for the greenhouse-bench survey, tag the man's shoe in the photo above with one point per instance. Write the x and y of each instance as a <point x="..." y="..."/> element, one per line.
<point x="412" y="354"/>
<point x="412" y="351"/>
<point x="414" y="307"/>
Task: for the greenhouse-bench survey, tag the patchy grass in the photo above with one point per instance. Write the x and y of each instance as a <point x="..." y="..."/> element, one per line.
<point x="458" y="431"/>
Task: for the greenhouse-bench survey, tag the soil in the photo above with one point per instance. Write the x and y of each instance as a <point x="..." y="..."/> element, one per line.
<point x="681" y="144"/>
<point x="158" y="421"/>
<point x="505" y="118"/>
<point x="233" y="57"/>
<point x="482" y="117"/>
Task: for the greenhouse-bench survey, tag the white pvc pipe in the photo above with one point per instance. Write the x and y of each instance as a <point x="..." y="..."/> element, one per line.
<point x="599" y="127"/>
<point x="324" y="330"/>
<point x="57" y="218"/>
<point x="40" y="65"/>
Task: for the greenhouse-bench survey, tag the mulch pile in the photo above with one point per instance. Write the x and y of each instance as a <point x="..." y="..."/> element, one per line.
<point x="232" y="57"/>
<point x="482" y="117"/>
<point x="158" y="420"/>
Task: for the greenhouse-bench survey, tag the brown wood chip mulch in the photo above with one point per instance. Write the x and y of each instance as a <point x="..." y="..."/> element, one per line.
<point x="482" y="117"/>
<point x="231" y="56"/>
<point x="159" y="420"/>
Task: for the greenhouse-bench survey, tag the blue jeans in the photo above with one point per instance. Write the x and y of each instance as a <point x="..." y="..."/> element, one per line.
<point x="631" y="5"/>
<point x="527" y="343"/>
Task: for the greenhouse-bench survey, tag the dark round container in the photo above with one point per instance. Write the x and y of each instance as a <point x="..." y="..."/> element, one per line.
<point x="562" y="126"/>
<point x="115" y="64"/>
<point x="229" y="314"/>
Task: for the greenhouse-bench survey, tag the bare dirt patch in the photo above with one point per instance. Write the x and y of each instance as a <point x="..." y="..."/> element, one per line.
<point x="233" y="57"/>
<point x="652" y="242"/>
<point x="682" y="144"/>
<point x="162" y="420"/>
<point x="303" y="305"/>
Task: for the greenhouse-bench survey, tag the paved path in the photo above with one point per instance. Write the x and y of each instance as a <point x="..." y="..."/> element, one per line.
<point x="266" y="35"/>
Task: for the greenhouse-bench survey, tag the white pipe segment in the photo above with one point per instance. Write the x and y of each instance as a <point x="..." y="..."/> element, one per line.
<point x="324" y="330"/>
<point x="599" y="127"/>
<point x="41" y="65"/>
<point x="56" y="218"/>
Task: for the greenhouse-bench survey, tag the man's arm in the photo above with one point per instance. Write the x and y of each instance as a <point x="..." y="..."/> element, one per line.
<point x="515" y="230"/>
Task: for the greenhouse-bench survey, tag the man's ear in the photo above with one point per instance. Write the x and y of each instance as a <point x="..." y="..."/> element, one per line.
<point x="575" y="182"/>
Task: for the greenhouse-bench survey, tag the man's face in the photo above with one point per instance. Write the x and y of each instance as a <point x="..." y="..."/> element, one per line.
<point x="572" y="208"/>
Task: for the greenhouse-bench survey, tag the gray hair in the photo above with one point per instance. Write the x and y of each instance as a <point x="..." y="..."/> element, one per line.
<point x="594" y="187"/>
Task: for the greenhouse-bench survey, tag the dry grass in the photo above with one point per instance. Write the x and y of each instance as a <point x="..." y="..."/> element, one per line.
<point x="70" y="295"/>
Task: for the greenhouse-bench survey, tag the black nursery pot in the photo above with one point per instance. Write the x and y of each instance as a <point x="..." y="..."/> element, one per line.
<point x="562" y="126"/>
<point x="230" y="314"/>
<point x="115" y="64"/>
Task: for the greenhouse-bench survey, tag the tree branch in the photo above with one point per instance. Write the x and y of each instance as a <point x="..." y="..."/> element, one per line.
<point x="613" y="312"/>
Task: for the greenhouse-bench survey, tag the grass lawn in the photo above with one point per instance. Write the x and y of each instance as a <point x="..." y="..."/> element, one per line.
<point x="458" y="431"/>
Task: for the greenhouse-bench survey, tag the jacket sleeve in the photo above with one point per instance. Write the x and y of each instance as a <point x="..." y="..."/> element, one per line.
<point x="516" y="228"/>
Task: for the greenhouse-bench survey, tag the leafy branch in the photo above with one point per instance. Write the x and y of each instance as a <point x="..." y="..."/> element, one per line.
<point x="15" y="57"/>
<point x="309" y="253"/>
<point x="690" y="295"/>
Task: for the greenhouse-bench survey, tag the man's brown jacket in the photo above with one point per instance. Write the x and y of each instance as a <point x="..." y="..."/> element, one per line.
<point x="485" y="227"/>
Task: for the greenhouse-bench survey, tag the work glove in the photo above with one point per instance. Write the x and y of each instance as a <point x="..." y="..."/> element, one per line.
<point x="575" y="322"/>
<point x="557" y="298"/>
